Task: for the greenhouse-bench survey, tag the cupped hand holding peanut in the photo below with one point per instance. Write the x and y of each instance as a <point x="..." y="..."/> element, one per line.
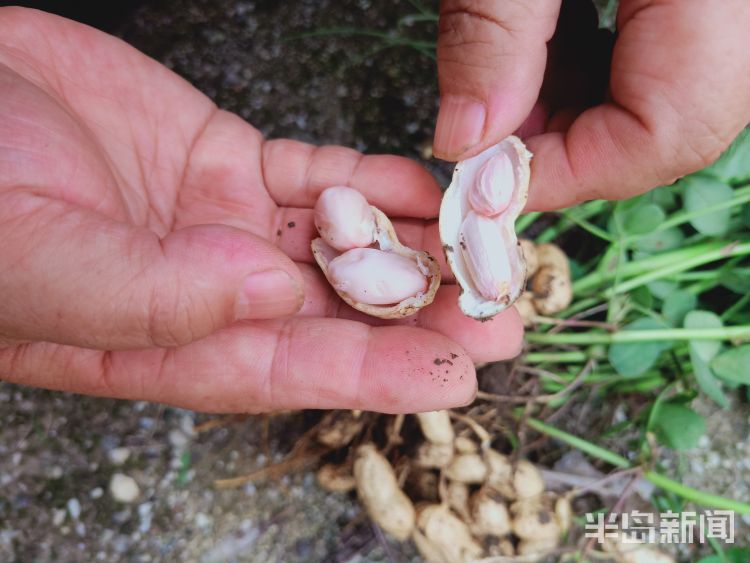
<point x="155" y="247"/>
<point x="673" y="95"/>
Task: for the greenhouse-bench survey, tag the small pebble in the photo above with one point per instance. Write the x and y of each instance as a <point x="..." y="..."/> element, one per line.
<point x="118" y="456"/>
<point x="96" y="493"/>
<point x="74" y="508"/>
<point x="177" y="438"/>
<point x="55" y="472"/>
<point x="58" y="517"/>
<point x="145" y="513"/>
<point x="202" y="521"/>
<point x="124" y="488"/>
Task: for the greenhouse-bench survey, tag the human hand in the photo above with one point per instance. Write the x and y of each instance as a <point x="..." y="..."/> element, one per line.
<point x="154" y="247"/>
<point x="679" y="91"/>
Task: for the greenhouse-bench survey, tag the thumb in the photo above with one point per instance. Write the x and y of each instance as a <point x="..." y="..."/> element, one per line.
<point x="491" y="58"/>
<point x="71" y="276"/>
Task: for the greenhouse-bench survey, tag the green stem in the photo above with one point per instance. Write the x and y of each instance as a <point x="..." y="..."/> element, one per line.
<point x="525" y="221"/>
<point x="645" y="265"/>
<point x="696" y="496"/>
<point x="740" y="197"/>
<point x="688" y="493"/>
<point x="556" y="357"/>
<point x="628" y="336"/>
<point x="588" y="227"/>
<point x="583" y="445"/>
<point x="737" y="306"/>
<point x="584" y="211"/>
<point x="668" y="270"/>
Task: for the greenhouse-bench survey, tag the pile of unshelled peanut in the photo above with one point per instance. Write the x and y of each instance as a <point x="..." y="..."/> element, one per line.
<point x="455" y="496"/>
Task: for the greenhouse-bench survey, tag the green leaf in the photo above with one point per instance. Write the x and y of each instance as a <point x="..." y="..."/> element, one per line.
<point x="706" y="349"/>
<point x="643" y="297"/>
<point x="635" y="216"/>
<point x="734" y="555"/>
<point x="734" y="164"/>
<point x="668" y="239"/>
<point x="662" y="288"/>
<point x="701" y="354"/>
<point x="678" y="426"/>
<point x="735" y="282"/>
<point x="704" y="191"/>
<point x="664" y="197"/>
<point x="631" y="359"/>
<point x="745" y="214"/>
<point x="643" y="219"/>
<point x="678" y="304"/>
<point x="733" y="365"/>
<point x="576" y="270"/>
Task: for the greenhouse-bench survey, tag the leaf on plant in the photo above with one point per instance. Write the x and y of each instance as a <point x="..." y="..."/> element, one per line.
<point x="701" y="192"/>
<point x="664" y="197"/>
<point x="635" y="358"/>
<point x="659" y="241"/>
<point x="734" y="555"/>
<point x="642" y="296"/>
<point x="678" y="304"/>
<point x="734" y="164"/>
<point x="733" y="365"/>
<point x="706" y="349"/>
<point x="662" y="288"/>
<point x="701" y="354"/>
<point x="735" y="282"/>
<point x="643" y="219"/>
<point x="678" y="426"/>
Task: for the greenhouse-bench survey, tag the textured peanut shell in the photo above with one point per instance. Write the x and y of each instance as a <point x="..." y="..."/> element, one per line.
<point x="442" y="537"/>
<point x="386" y="240"/>
<point x="457" y="497"/>
<point x="489" y="515"/>
<point x="433" y="455"/>
<point x="532" y="520"/>
<point x="467" y="468"/>
<point x="552" y="290"/>
<point x="436" y="426"/>
<point x="529" y="255"/>
<point x="336" y="478"/>
<point x="379" y="492"/>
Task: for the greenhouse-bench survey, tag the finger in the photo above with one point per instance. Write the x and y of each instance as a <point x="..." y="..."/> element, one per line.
<point x="298" y="229"/>
<point x="269" y="365"/>
<point x="296" y="173"/>
<point x="491" y="58"/>
<point x="72" y="276"/>
<point x="500" y="338"/>
<point x="680" y="92"/>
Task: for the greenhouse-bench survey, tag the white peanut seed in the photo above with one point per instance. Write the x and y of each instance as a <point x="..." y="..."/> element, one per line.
<point x="486" y="257"/>
<point x="376" y="277"/>
<point x="492" y="190"/>
<point x="344" y="218"/>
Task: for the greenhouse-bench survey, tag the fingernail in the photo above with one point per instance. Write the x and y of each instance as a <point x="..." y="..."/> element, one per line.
<point x="268" y="294"/>
<point x="460" y="124"/>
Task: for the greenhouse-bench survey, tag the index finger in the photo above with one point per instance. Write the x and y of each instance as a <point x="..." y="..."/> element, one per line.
<point x="296" y="173"/>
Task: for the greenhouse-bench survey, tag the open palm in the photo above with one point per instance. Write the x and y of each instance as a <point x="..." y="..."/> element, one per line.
<point x="156" y="247"/>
